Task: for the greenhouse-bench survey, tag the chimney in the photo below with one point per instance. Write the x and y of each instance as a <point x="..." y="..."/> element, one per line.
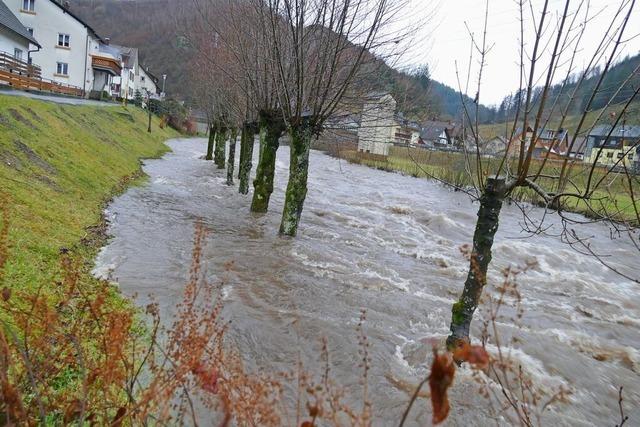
<point x="67" y="5"/>
<point x="107" y="40"/>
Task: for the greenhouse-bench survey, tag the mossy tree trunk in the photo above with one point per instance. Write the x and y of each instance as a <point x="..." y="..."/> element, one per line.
<point x="246" y="157"/>
<point x="486" y="227"/>
<point x="221" y="142"/>
<point x="298" y="173"/>
<point x="232" y="155"/>
<point x="270" y="129"/>
<point x="211" y="143"/>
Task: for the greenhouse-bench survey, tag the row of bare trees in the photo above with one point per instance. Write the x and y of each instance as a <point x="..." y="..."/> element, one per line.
<point x="284" y="68"/>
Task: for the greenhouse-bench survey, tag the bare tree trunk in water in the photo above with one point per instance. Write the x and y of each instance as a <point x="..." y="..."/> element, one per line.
<point x="211" y="142"/>
<point x="486" y="227"/>
<point x="298" y="173"/>
<point x="221" y="143"/>
<point x="270" y="129"/>
<point x="246" y="157"/>
<point x="232" y="155"/>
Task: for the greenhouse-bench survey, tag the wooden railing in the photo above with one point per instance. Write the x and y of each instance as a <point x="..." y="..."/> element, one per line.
<point x="24" y="76"/>
<point x="11" y="64"/>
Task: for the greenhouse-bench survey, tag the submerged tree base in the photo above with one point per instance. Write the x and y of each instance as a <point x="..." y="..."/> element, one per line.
<point x="298" y="174"/>
<point x="480" y="257"/>
<point x="246" y="157"/>
<point x="271" y="127"/>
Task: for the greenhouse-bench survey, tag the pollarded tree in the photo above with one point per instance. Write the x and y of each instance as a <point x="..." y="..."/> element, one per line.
<point x="235" y="27"/>
<point x="316" y="49"/>
<point x="538" y="157"/>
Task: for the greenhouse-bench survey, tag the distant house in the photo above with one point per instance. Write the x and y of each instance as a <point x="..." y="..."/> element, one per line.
<point x="124" y="85"/>
<point x="577" y="150"/>
<point x="551" y="144"/>
<point x="377" y="130"/>
<point x="406" y="132"/>
<point x="613" y="146"/>
<point x="107" y="66"/>
<point x="147" y="83"/>
<point x="433" y="133"/>
<point x="15" y="38"/>
<point x="71" y="52"/>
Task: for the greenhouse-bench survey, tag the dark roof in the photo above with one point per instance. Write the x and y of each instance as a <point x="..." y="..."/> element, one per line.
<point x="77" y="18"/>
<point x="557" y="135"/>
<point x="129" y="54"/>
<point x="432" y="130"/>
<point x="9" y="20"/>
<point x="579" y="145"/>
<point x="629" y="131"/>
<point x="148" y="73"/>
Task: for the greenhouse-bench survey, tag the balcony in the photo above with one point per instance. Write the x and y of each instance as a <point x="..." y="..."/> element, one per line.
<point x="21" y="75"/>
<point x="105" y="63"/>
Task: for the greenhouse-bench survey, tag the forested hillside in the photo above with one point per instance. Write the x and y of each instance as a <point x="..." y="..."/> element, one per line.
<point x="616" y="88"/>
<point x="157" y="28"/>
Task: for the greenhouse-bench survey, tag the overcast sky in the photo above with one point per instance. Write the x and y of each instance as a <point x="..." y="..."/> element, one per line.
<point x="449" y="40"/>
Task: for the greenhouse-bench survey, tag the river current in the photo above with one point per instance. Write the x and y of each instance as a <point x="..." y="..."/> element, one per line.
<point x="389" y="244"/>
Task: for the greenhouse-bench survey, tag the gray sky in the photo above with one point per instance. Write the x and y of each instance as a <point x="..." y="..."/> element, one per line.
<point x="449" y="40"/>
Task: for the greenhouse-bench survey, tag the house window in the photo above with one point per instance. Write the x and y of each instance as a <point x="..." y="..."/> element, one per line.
<point x="620" y="155"/>
<point x="63" y="40"/>
<point x="62" y="69"/>
<point x="28" y="5"/>
<point x="17" y="54"/>
<point x="610" y="155"/>
<point x="142" y="79"/>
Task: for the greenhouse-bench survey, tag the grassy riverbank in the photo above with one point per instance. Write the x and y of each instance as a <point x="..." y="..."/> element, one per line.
<point x="59" y="165"/>
<point x="613" y="195"/>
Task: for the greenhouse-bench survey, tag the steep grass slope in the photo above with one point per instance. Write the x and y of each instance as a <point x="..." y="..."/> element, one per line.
<point x="58" y="164"/>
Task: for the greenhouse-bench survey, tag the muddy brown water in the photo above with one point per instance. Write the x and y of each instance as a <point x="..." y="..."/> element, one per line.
<point x="389" y="244"/>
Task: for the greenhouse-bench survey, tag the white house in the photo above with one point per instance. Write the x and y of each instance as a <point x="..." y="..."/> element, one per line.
<point x="377" y="124"/>
<point x="71" y="52"/>
<point x="147" y="83"/>
<point x="124" y="86"/>
<point x="14" y="37"/>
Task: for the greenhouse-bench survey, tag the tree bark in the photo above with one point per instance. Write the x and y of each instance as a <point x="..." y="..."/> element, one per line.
<point x="486" y="227"/>
<point x="232" y="155"/>
<point x="246" y="157"/>
<point x="221" y="142"/>
<point x="270" y="129"/>
<point x="211" y="142"/>
<point x="298" y="173"/>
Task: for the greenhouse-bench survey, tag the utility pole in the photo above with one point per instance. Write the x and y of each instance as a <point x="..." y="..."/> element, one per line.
<point x="164" y="81"/>
<point x="149" y="109"/>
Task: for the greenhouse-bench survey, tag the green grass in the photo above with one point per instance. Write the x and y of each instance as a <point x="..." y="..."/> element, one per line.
<point x="612" y="197"/>
<point x="58" y="165"/>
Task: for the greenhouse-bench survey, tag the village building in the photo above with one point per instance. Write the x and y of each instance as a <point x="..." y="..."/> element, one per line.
<point x="71" y="53"/>
<point x="577" y="148"/>
<point x="617" y="146"/>
<point x="15" y="38"/>
<point x="147" y="83"/>
<point x="377" y="130"/>
<point x="124" y="85"/>
<point x="549" y="143"/>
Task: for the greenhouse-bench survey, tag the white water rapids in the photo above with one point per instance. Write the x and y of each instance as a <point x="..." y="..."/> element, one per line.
<point x="390" y="244"/>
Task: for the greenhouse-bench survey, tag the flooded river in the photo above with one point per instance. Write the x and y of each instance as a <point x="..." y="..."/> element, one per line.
<point x="390" y="244"/>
